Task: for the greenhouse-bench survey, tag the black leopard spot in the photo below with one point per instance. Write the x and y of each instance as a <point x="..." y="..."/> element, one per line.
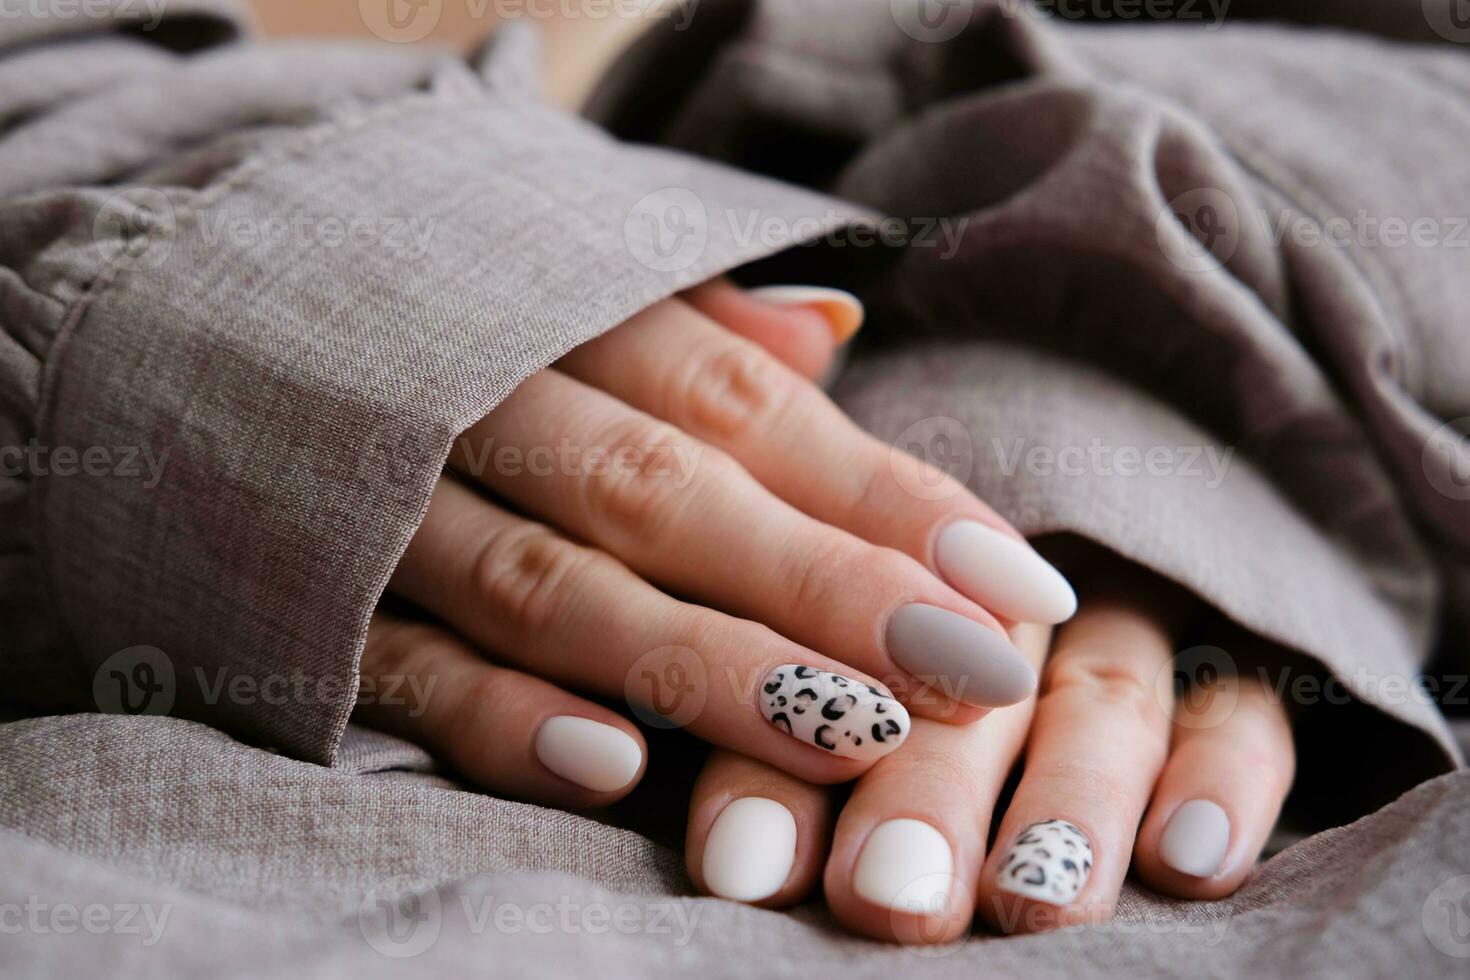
<point x="802" y="673"/>
<point x="773" y="686"/>
<point x="817" y="737"/>
<point x="780" y="720"/>
<point x="831" y="712"/>
<point x="881" y="730"/>
<point x="806" y="694"/>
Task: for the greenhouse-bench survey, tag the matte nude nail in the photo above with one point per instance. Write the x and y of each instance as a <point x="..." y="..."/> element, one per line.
<point x="597" y="756"/>
<point x="1049" y="862"/>
<point x="1003" y="574"/>
<point x="838" y="714"/>
<point x="750" y="849"/>
<point x="959" y="657"/>
<point x="843" y="310"/>
<point x="905" y="864"/>
<point x="1196" y="838"/>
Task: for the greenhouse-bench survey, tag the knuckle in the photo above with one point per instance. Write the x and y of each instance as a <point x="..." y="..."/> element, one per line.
<point x="524" y="574"/>
<point x="736" y="390"/>
<point x="812" y="573"/>
<point x="638" y="490"/>
<point x="1103" y="680"/>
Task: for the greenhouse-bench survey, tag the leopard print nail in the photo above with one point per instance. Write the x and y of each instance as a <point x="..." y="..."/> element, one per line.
<point x="835" y="713"/>
<point x="1049" y="861"/>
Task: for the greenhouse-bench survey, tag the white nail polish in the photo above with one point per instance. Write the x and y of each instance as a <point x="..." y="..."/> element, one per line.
<point x="1196" y="838"/>
<point x="907" y="865"/>
<point x="750" y="849"/>
<point x="1049" y="862"/>
<point x="1003" y="574"/>
<point x="843" y="310"/>
<point x="597" y="756"/>
<point x="839" y="714"/>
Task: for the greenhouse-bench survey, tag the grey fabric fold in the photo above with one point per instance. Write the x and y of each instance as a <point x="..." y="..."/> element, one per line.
<point x="177" y="285"/>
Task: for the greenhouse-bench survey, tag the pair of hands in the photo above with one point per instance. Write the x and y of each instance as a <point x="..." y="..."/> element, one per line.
<point x="833" y="627"/>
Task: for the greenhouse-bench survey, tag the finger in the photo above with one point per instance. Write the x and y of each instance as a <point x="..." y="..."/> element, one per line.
<point x="1220" y="793"/>
<point x="1095" y="749"/>
<point x="802" y="326"/>
<point x="576" y="617"/>
<point x="688" y="518"/>
<point x="910" y="840"/>
<point x="679" y="365"/>
<point x="755" y="833"/>
<point x="509" y="732"/>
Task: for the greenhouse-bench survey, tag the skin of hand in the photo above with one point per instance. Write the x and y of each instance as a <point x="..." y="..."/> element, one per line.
<point x="1118" y="770"/>
<point x="677" y="498"/>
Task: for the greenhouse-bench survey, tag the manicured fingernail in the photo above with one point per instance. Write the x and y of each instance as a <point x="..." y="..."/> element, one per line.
<point x="1004" y="575"/>
<point x="750" y="849"/>
<point x="588" y="753"/>
<point x="1049" y="861"/>
<point x="836" y="713"/>
<point x="957" y="656"/>
<point x="905" y="864"/>
<point x="1196" y="838"/>
<point x="843" y="310"/>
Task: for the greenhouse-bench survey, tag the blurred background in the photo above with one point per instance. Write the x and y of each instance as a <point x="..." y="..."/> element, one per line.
<point x="580" y="36"/>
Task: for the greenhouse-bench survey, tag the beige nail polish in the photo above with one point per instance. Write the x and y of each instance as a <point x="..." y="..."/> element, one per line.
<point x="1196" y="838"/>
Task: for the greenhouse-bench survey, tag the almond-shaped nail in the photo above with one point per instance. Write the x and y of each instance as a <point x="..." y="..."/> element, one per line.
<point x="957" y="656"/>
<point x="1049" y="862"/>
<point x="750" y="849"/>
<point x="1196" y="838"/>
<point x="1003" y="574"/>
<point x="837" y="714"/>
<point x="843" y="310"/>
<point x="597" y="756"/>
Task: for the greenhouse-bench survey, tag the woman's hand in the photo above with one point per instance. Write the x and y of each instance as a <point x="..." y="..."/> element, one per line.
<point x="1116" y="771"/>
<point x="675" y="457"/>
